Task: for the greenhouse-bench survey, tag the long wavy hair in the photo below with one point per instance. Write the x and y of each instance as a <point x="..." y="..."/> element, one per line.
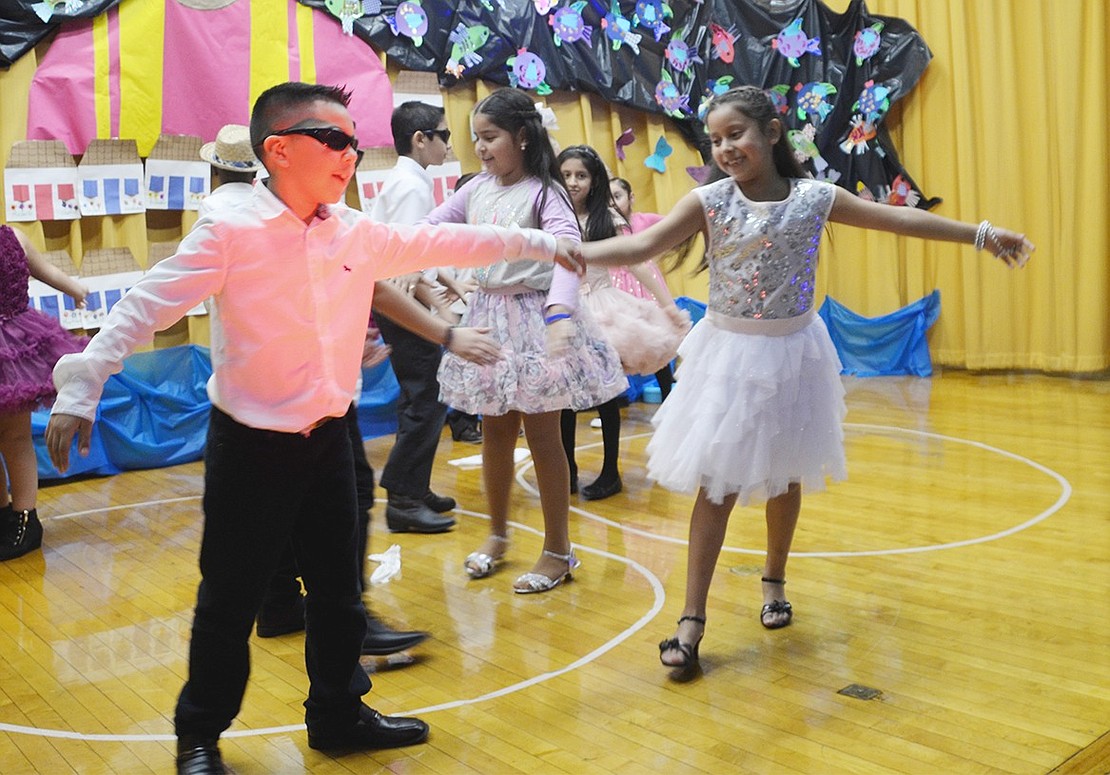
<point x="599" y="199"/>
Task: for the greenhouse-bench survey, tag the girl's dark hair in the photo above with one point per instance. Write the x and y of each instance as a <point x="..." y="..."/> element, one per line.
<point x="514" y="111"/>
<point x="599" y="212"/>
<point x="623" y="184"/>
<point x="754" y="103"/>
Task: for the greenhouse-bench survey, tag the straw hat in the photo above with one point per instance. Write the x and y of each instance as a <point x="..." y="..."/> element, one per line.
<point x="232" y="150"/>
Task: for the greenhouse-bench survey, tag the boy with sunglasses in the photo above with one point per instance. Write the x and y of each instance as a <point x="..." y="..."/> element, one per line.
<point x="291" y="276"/>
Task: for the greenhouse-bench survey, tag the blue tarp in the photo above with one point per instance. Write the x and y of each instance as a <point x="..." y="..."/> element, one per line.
<point x="893" y="344"/>
<point x="155" y="413"/>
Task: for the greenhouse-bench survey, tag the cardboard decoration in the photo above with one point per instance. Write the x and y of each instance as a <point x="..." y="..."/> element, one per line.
<point x="412" y="85"/>
<point x="444" y="177"/>
<point x="176" y="177"/>
<point x="110" y="179"/>
<point x="108" y="273"/>
<point x="40" y="182"/>
<point x="53" y="302"/>
<point x="372" y="173"/>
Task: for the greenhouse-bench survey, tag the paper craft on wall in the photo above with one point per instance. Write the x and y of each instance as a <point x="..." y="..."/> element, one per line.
<point x="444" y="177"/>
<point x="51" y="301"/>
<point x="108" y="273"/>
<point x="40" y="182"/>
<point x="658" y="160"/>
<point x="372" y="174"/>
<point x="422" y="87"/>
<point x="110" y="178"/>
<point x="176" y="177"/>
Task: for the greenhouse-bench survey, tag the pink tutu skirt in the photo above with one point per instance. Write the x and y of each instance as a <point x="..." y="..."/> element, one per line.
<point x="750" y="414"/>
<point x="624" y="280"/>
<point x="524" y="379"/>
<point x="645" y="335"/>
<point x="30" y="344"/>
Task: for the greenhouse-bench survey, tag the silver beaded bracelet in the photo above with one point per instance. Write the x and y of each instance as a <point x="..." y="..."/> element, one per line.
<point x="981" y="234"/>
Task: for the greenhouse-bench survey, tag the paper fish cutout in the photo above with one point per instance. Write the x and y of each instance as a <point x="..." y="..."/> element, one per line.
<point x="804" y="147"/>
<point x="873" y="101"/>
<point x="811" y="100"/>
<point x="543" y="6"/>
<point x="902" y="193"/>
<point x="777" y="95"/>
<point x="650" y="14"/>
<point x="679" y="54"/>
<point x="658" y="160"/>
<point x="626" y="138"/>
<point x="349" y="10"/>
<point x="712" y="89"/>
<point x="527" y="71"/>
<point x="410" y="20"/>
<point x="464" y="52"/>
<point x="867" y="42"/>
<point x="793" y="43"/>
<point x="673" y="102"/>
<point x="724" y="42"/>
<point x="861" y="132"/>
<point x="45" y="10"/>
<point x="567" y="25"/>
<point x="619" y="30"/>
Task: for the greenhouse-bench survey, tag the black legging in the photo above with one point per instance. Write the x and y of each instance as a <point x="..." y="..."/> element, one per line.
<point x="610" y="414"/>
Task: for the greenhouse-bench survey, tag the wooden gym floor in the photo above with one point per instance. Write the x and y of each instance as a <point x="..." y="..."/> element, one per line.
<point x="961" y="575"/>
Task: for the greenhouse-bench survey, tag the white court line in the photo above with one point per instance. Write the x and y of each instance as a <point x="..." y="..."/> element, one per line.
<point x="657" y="605"/>
<point x="1065" y="495"/>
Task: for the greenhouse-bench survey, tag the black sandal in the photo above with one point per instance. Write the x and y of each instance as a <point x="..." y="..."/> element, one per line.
<point x="776" y="607"/>
<point x="689" y="652"/>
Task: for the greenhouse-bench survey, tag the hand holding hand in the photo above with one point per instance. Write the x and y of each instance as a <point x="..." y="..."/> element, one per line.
<point x="474" y="345"/>
<point x="567" y="255"/>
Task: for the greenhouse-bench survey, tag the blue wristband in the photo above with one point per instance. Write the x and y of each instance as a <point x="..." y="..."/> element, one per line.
<point x="556" y="317"/>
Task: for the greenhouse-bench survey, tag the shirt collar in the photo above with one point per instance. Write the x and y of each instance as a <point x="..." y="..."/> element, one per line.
<point x="270" y="207"/>
<point x="411" y="165"/>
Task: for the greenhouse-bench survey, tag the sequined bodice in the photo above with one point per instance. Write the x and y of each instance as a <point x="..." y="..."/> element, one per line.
<point x="513" y="205"/>
<point x="14" y="274"/>
<point x="763" y="255"/>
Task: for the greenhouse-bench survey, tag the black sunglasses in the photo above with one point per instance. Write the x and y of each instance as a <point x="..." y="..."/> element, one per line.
<point x="442" y="134"/>
<point x="336" y="139"/>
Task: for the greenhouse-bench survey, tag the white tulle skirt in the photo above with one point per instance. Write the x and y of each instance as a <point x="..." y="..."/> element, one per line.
<point x="749" y="414"/>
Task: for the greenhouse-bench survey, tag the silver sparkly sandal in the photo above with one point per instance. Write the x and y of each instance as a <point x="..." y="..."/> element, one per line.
<point x="479" y="565"/>
<point x="532" y="582"/>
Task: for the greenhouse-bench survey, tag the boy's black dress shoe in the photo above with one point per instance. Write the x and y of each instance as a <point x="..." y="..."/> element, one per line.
<point x="198" y="756"/>
<point x="382" y="640"/>
<point x="275" y="620"/>
<point x="373" y="730"/>
<point x="412" y="515"/>
<point x="439" y="503"/>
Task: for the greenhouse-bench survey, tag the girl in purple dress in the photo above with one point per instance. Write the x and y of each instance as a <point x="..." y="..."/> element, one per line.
<point x="30" y="344"/>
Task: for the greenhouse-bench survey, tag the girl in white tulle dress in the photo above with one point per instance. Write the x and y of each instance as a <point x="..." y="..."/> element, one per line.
<point x="757" y="409"/>
<point x="645" y="334"/>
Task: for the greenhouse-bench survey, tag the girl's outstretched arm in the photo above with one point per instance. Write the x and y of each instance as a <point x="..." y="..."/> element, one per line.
<point x="681" y="223"/>
<point x="1011" y="247"/>
<point x="43" y="271"/>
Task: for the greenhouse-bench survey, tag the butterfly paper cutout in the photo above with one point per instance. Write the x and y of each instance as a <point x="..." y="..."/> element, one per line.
<point x="658" y="160"/>
<point x="701" y="174"/>
<point x="626" y="138"/>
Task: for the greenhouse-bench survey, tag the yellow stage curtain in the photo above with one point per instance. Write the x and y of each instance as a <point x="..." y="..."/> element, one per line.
<point x="1006" y="124"/>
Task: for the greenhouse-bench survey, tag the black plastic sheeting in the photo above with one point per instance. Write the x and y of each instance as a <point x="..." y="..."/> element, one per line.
<point x="625" y="60"/>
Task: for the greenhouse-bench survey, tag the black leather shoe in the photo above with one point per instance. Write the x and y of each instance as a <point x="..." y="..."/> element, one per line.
<point x="373" y="730"/>
<point x="439" y="503"/>
<point x="20" y="532"/>
<point x="198" y="756"/>
<point x="412" y="515"/>
<point x="470" y="435"/>
<point x="276" y="620"/>
<point x="382" y="640"/>
<point x="599" y="489"/>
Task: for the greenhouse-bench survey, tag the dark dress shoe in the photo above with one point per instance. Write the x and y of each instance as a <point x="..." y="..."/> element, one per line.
<point x="275" y="620"/>
<point x="412" y="515"/>
<point x="198" y="756"/>
<point x="439" y="503"/>
<point x="470" y="435"/>
<point x="599" y="489"/>
<point x="373" y="730"/>
<point x="382" y="640"/>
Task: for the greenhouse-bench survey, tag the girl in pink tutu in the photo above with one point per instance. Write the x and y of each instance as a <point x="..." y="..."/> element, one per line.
<point x="30" y="344"/>
<point x="646" y="334"/>
<point x="645" y="279"/>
